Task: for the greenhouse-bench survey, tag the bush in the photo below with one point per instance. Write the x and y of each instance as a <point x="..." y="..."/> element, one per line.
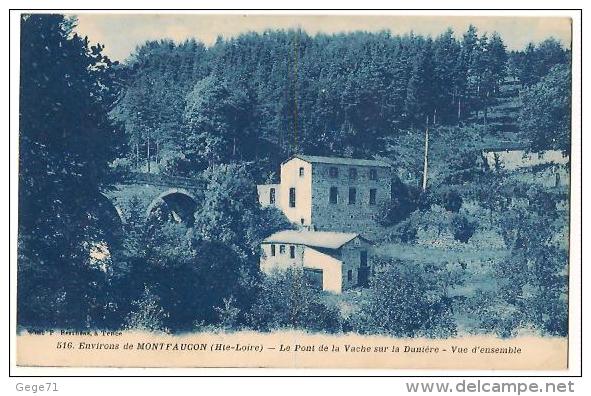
<point x="405" y="232"/>
<point x="452" y="201"/>
<point x="191" y="276"/>
<point x="286" y="301"/>
<point x="191" y="290"/>
<point x="121" y="165"/>
<point x="147" y="313"/>
<point x="425" y="201"/>
<point x="495" y="315"/>
<point x="405" y="200"/>
<point x="406" y="300"/>
<point x="173" y="163"/>
<point x="462" y="228"/>
<point x="228" y="314"/>
<point x="533" y="277"/>
<point x="464" y="166"/>
<point x="197" y="271"/>
<point x="541" y="202"/>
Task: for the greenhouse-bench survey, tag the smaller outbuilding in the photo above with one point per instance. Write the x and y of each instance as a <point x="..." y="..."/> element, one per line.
<point x="332" y="261"/>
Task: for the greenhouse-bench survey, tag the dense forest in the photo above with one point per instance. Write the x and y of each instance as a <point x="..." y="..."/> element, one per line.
<point x="263" y="96"/>
<point x="229" y="114"/>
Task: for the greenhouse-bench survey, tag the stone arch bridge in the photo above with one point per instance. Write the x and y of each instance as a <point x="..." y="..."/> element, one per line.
<point x="137" y="196"/>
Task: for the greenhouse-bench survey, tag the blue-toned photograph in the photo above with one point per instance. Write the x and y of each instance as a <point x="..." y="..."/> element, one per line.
<point x="399" y="176"/>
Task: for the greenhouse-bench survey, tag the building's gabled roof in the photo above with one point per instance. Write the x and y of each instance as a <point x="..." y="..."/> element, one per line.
<point x="339" y="160"/>
<point x="321" y="239"/>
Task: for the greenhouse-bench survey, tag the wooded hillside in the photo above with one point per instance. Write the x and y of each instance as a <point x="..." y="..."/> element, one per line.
<point x="263" y="96"/>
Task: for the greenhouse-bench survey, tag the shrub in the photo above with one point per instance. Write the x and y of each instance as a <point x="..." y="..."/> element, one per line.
<point x="467" y="165"/>
<point x="424" y="201"/>
<point x="494" y="315"/>
<point x="228" y="313"/>
<point x="191" y="290"/>
<point x="402" y="204"/>
<point x="452" y="201"/>
<point x="147" y="313"/>
<point x="173" y="163"/>
<point x="541" y="202"/>
<point x="286" y="301"/>
<point x="533" y="278"/>
<point x="405" y="300"/>
<point x="462" y="228"/>
<point x="121" y="165"/>
<point x="405" y="231"/>
<point x="191" y="276"/>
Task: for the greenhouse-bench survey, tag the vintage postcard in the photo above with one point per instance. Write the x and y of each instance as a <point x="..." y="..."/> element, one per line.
<point x="295" y="190"/>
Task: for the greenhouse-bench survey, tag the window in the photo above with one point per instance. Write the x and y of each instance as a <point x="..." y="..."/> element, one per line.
<point x="272" y="250"/>
<point x="292" y="252"/>
<point x="281" y="249"/>
<point x="352" y="173"/>
<point x="372" y="196"/>
<point x="350" y="275"/>
<point x="352" y="195"/>
<point x="363" y="258"/>
<point x="373" y="174"/>
<point x="333" y="172"/>
<point x="334" y="195"/>
<point x="364" y="270"/>
<point x="301" y="171"/>
<point x="272" y="196"/>
<point x="292" y="197"/>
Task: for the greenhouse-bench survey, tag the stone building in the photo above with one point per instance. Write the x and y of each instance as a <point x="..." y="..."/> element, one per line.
<point x="329" y="193"/>
<point x="333" y="261"/>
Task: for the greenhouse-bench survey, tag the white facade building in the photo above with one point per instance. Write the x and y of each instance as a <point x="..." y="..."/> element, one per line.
<point x="333" y="261"/>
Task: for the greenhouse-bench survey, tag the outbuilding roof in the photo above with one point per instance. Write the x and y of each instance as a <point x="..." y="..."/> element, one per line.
<point x="339" y="160"/>
<point x="322" y="239"/>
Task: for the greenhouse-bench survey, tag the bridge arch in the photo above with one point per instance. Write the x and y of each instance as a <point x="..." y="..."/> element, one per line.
<point x="180" y="203"/>
<point x="105" y="239"/>
<point x="106" y="204"/>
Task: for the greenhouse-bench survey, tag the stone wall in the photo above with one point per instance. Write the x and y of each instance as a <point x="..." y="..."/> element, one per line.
<point x="350" y="256"/>
<point x="359" y="217"/>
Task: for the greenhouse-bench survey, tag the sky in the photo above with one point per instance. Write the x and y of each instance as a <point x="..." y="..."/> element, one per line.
<point x="121" y="33"/>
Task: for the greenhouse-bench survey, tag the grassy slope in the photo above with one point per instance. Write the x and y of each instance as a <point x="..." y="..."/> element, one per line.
<point x="478" y="256"/>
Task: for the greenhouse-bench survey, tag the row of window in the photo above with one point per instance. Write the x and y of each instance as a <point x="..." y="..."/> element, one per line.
<point x="282" y="250"/>
<point x="333" y="171"/>
<point x="292" y="197"/>
<point x="334" y="195"/>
